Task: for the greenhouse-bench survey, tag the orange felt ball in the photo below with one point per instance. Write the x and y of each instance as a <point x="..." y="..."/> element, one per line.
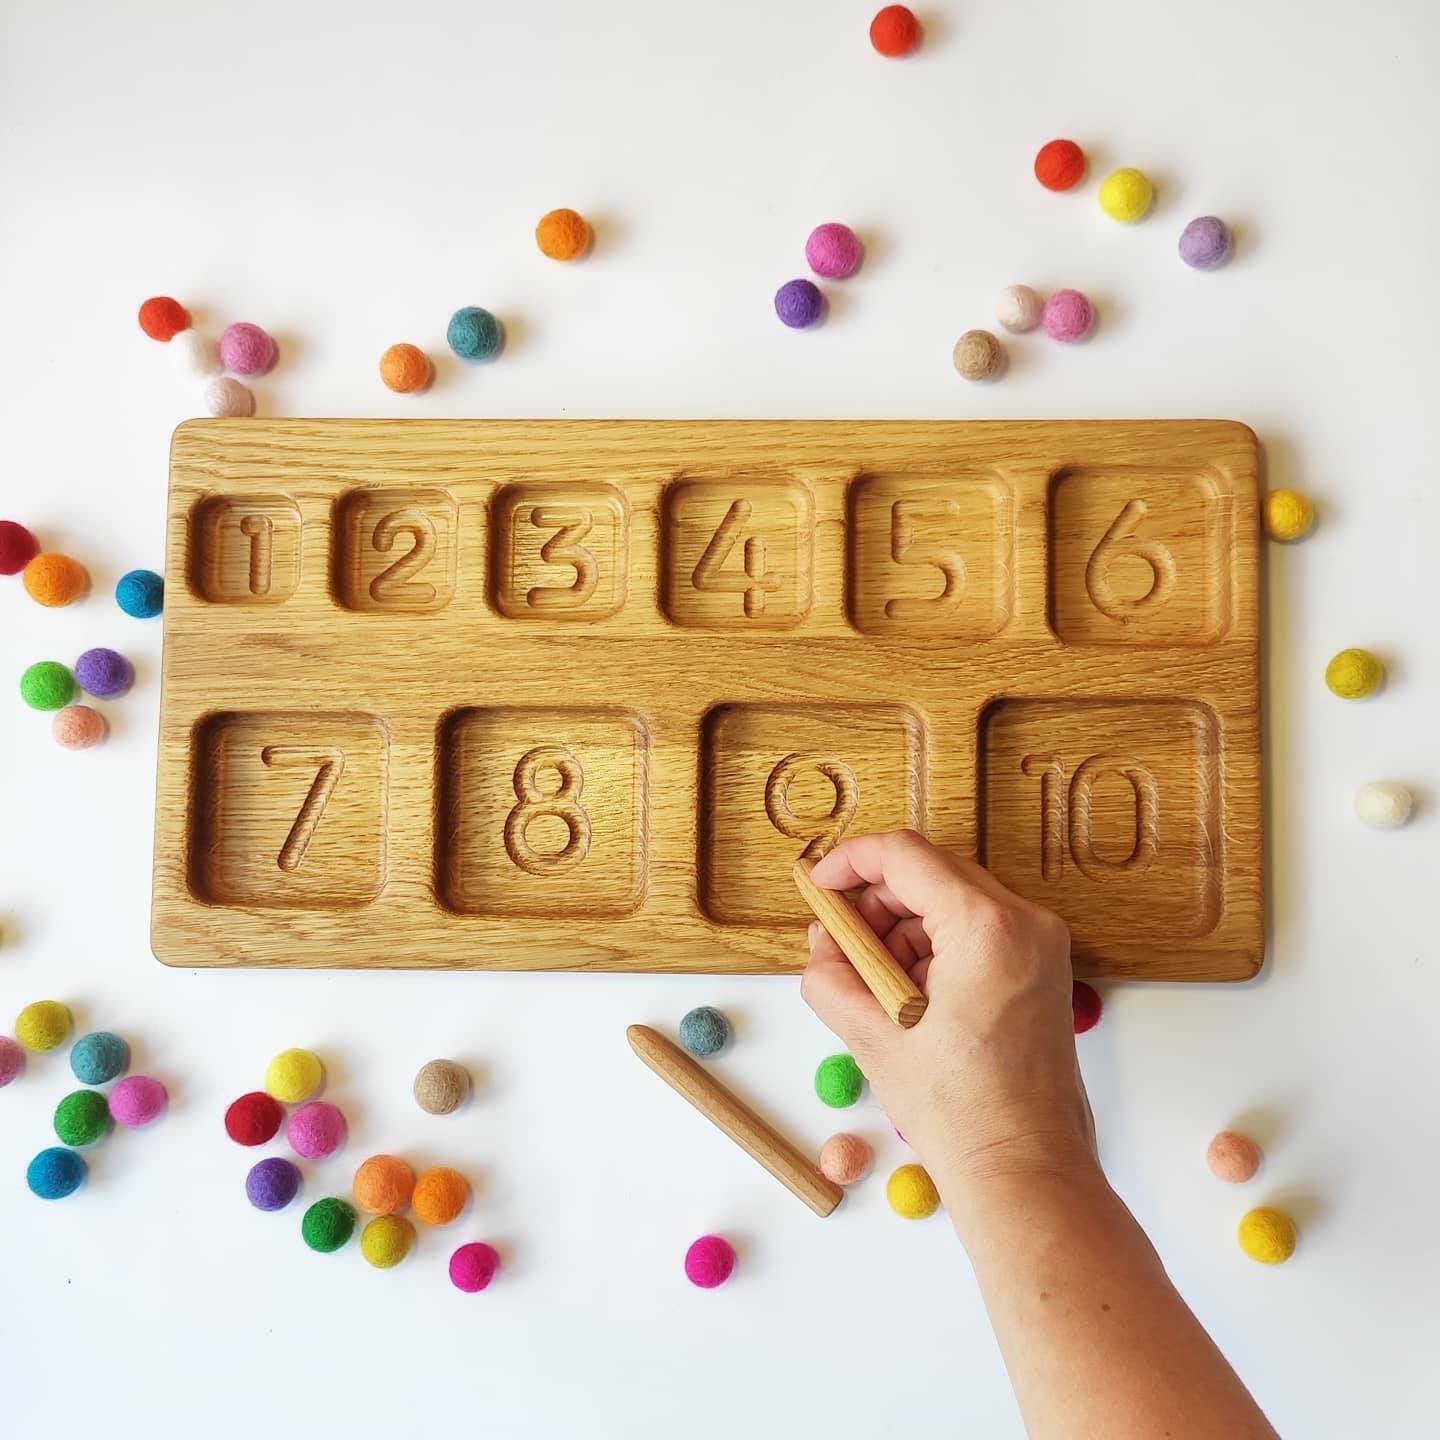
<point x="405" y="369"/>
<point x="383" y="1185"/>
<point x="894" y="31"/>
<point x="55" y="579"/>
<point x="439" y="1196"/>
<point x="563" y="235"/>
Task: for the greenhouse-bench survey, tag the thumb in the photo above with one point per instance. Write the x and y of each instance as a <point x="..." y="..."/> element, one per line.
<point x="842" y="1000"/>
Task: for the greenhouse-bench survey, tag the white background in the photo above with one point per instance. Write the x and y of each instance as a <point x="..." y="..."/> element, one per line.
<point x="347" y="175"/>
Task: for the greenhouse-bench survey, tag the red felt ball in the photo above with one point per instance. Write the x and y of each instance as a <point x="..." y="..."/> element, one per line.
<point x="894" y="31"/>
<point x="1085" y="1006"/>
<point x="253" y="1119"/>
<point x="162" y="318"/>
<point x="18" y="547"/>
<point x="1059" y="165"/>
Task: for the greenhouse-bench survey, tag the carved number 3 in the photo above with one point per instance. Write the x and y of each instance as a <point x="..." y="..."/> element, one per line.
<point x="1119" y="542"/>
<point x="533" y="802"/>
<point x="328" y="766"/>
<point x="564" y="548"/>
<point x="754" y="580"/>
<point x="395" y="582"/>
<point x="1061" y="813"/>
<point x="823" y="830"/>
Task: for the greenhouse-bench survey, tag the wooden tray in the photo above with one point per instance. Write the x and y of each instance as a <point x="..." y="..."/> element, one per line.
<point x="574" y="695"/>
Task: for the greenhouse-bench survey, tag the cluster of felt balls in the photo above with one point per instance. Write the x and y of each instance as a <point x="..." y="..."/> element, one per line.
<point x="48" y="685"/>
<point x="1266" y="1234"/>
<point x="833" y="252"/>
<point x="53" y="580"/>
<point x="243" y="349"/>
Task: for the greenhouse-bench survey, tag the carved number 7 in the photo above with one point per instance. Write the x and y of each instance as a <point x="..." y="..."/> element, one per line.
<point x="328" y="765"/>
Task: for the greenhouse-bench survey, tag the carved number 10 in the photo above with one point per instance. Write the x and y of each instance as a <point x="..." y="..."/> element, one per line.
<point x="1065" y="815"/>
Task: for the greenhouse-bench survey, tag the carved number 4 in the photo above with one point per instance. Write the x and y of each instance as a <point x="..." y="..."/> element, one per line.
<point x="328" y="765"/>
<point x="754" y="580"/>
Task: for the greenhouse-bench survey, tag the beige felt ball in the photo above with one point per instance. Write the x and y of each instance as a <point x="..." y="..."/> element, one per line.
<point x="1019" y="309"/>
<point x="979" y="355"/>
<point x="1232" y="1157"/>
<point x="441" y="1086"/>
<point x="1382" y="804"/>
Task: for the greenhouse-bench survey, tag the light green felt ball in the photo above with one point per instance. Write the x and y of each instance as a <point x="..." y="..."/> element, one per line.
<point x="47" y="685"/>
<point x="838" y="1081"/>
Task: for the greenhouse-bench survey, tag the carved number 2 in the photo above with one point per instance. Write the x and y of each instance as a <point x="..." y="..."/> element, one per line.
<point x="328" y="766"/>
<point x="1062" y="812"/>
<point x="755" y="580"/>
<point x="395" y="581"/>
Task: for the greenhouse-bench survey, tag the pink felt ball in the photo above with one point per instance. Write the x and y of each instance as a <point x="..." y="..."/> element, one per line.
<point x="226" y="398"/>
<point x="1068" y="316"/>
<point x="12" y="1060"/>
<point x="316" y="1130"/>
<point x="833" y="250"/>
<point x="844" y="1158"/>
<point x="1232" y="1157"/>
<point x="136" y="1101"/>
<point x="709" y="1261"/>
<point x="246" y="349"/>
<point x="78" y="727"/>
<point x="473" y="1266"/>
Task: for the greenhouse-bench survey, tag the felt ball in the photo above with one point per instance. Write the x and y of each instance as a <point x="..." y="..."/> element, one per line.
<point x="799" y="303"/>
<point x="1286" y="514"/>
<point x="710" y="1261"/>
<point x="1384" y="804"/>
<point x="293" y="1076"/>
<point x="1019" y="309"/>
<point x="47" y="685"/>
<point x="18" y="547"/>
<point x="1126" y="195"/>
<point x="253" y="1119"/>
<point x="844" y="1158"/>
<point x="833" y="250"/>
<point x="246" y="349"/>
<point x="78" y="727"/>
<point x="316" y="1130"/>
<point x="1059" y="164"/>
<point x="562" y="235"/>
<point x="104" y="672"/>
<point x="82" y="1118"/>
<point x="474" y="334"/>
<point x="1205" y="243"/>
<point x="704" y="1030"/>
<point x="194" y="356"/>
<point x="1353" y="674"/>
<point x="838" y="1081"/>
<point x="272" y="1183"/>
<point x="162" y="318"/>
<point x="55" y="1173"/>
<point x="383" y="1184"/>
<point x="42" y="1025"/>
<point x="1068" y="316"/>
<point x="894" y="31"/>
<point x="1267" y="1235"/>
<point x="473" y="1266"/>
<point x="327" y="1225"/>
<point x="97" y="1058"/>
<point x="405" y="369"/>
<point x="1085" y="1006"/>
<point x="227" y="399"/>
<point x="386" y="1240"/>
<point x="439" y="1195"/>
<point x="978" y="355"/>
<point x="1232" y="1157"/>
<point x="441" y="1086"/>
<point x="912" y="1193"/>
<point x="137" y="1100"/>
<point x="140" y="593"/>
<point x="54" y="580"/>
<point x="12" y="1060"/>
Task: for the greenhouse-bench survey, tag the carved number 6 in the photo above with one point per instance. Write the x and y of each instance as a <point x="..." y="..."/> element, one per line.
<point x="1119" y="542"/>
<point x="394" y="583"/>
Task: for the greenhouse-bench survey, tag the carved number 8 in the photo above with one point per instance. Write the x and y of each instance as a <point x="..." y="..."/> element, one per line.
<point x="564" y="804"/>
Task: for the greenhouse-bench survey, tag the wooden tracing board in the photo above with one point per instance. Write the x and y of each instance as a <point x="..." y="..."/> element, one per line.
<point x="575" y="694"/>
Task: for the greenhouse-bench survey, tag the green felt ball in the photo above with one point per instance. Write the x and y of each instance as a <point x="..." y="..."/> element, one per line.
<point x="82" y="1117"/>
<point x="327" y="1225"/>
<point x="47" y="685"/>
<point x="838" y="1081"/>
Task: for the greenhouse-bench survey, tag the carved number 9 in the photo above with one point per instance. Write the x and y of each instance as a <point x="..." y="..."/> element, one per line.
<point x="822" y="830"/>
<point x="1120" y="541"/>
<point x="395" y="582"/>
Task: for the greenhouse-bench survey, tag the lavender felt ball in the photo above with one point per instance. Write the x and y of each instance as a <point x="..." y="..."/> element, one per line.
<point x="833" y="250"/>
<point x="1205" y="243"/>
<point x="103" y="672"/>
<point x="272" y="1184"/>
<point x="799" y="303"/>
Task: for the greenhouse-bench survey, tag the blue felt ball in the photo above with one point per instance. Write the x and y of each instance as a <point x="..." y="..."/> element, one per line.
<point x="140" y="593"/>
<point x="55" y="1173"/>
<point x="473" y="333"/>
<point x="99" y="1057"/>
<point x="272" y="1184"/>
<point x="704" y="1030"/>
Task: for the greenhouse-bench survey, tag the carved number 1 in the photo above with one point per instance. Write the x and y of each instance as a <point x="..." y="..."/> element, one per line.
<point x="755" y="580"/>
<point x="260" y="531"/>
<point x="328" y="765"/>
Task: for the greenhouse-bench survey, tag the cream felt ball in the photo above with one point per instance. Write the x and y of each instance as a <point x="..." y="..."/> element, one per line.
<point x="293" y="1076"/>
<point x="978" y="355"/>
<point x="844" y="1158"/>
<point x="1232" y="1157"/>
<point x="1019" y="309"/>
<point x="1383" y="804"/>
<point x="441" y="1087"/>
<point x="226" y="398"/>
<point x="194" y="356"/>
<point x="246" y="349"/>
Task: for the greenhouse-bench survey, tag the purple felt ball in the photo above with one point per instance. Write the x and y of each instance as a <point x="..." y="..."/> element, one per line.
<point x="1205" y="243"/>
<point x="799" y="303"/>
<point x="136" y="1101"/>
<point x="272" y="1184"/>
<point x="1068" y="316"/>
<point x="833" y="250"/>
<point x="12" y="1060"/>
<point x="246" y="349"/>
<point x="103" y="672"/>
<point x="316" y="1130"/>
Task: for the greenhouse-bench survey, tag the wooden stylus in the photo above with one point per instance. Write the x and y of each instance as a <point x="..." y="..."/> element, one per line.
<point x="757" y="1139"/>
<point x="902" y="999"/>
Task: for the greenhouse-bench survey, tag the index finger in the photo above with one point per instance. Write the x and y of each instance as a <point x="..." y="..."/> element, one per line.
<point x="919" y="875"/>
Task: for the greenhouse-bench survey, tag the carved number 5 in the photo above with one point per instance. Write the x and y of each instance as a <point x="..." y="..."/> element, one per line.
<point x="328" y="766"/>
<point x="563" y="548"/>
<point x="1120" y="541"/>
<point x="755" y="580"/>
<point x="394" y="582"/>
<point x="906" y="516"/>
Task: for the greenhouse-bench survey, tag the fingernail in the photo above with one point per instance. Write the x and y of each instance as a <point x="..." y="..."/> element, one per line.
<point x="814" y="932"/>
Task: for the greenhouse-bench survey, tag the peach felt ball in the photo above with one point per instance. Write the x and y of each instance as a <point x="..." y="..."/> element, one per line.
<point x="78" y="727"/>
<point x="1232" y="1157"/>
<point x="246" y="349"/>
<point x="383" y="1185"/>
<point x="439" y="1195"/>
<point x="226" y="398"/>
<point x="54" y="580"/>
<point x="844" y="1158"/>
<point x="563" y="235"/>
<point x="405" y="369"/>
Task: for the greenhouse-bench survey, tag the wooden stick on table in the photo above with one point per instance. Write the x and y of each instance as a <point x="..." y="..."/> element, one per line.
<point x="759" y="1140"/>
<point x="903" y="1000"/>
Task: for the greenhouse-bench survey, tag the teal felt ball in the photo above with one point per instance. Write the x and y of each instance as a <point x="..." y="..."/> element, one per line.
<point x="704" y="1030"/>
<point x="473" y="333"/>
<point x="838" y="1081"/>
<point x="140" y="593"/>
<point x="55" y="1173"/>
<point x="99" y="1057"/>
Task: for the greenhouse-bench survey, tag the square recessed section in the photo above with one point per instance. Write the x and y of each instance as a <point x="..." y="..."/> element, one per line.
<point x="1139" y="556"/>
<point x="288" y="810"/>
<point x="1108" y="812"/>
<point x="542" y="812"/>
<point x="245" y="550"/>
<point x="779" y="780"/>
<point x="395" y="550"/>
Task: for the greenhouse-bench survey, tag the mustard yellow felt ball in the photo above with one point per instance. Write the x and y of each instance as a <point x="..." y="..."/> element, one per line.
<point x="912" y="1193"/>
<point x="293" y="1076"/>
<point x="1267" y="1235"/>
<point x="1353" y="674"/>
<point x="43" y="1025"/>
<point x="1126" y="195"/>
<point x="1287" y="514"/>
<point x="386" y="1240"/>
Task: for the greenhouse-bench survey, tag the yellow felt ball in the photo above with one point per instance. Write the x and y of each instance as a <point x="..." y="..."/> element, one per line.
<point x="912" y="1193"/>
<point x="386" y="1240"/>
<point x="1267" y="1235"/>
<point x="1126" y="195"/>
<point x="1353" y="674"/>
<point x="1287" y="514"/>
<point x="293" y="1076"/>
<point x="43" y="1025"/>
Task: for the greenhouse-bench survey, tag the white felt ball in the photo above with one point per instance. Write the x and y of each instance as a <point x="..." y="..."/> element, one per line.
<point x="227" y="397"/>
<point x="194" y="355"/>
<point x="1383" y="804"/>
<point x="1019" y="309"/>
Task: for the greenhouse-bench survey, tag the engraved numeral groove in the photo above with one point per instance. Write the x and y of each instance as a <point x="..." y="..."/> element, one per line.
<point x="329" y="765"/>
<point x="1066" y="815"/>
<point x="533" y="802"/>
<point x="755" y="581"/>
<point x="571" y="525"/>
<point x="907" y="548"/>
<point x="1119" y="541"/>
<point x="833" y="823"/>
<point x="397" y="581"/>
<point x="260" y="531"/>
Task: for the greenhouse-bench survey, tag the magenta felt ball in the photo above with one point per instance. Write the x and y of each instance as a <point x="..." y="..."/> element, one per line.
<point x="799" y="303"/>
<point x="103" y="672"/>
<point x="1068" y="316"/>
<point x="316" y="1130"/>
<point x="136" y="1101"/>
<point x="246" y="349"/>
<point x="12" y="1060"/>
<point x="709" y="1261"/>
<point x="473" y="1266"/>
<point x="833" y="250"/>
